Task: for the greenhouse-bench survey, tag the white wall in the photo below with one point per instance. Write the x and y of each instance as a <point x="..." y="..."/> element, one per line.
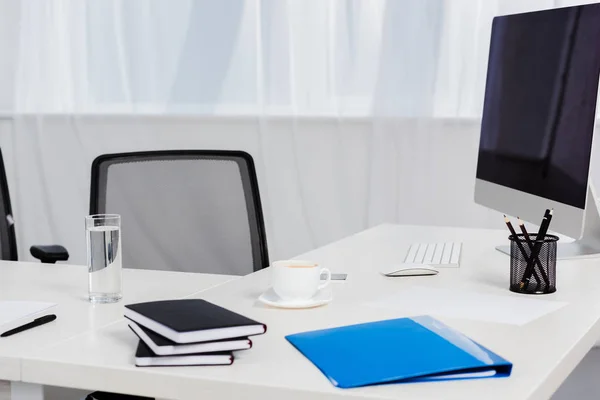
<point x="320" y="179"/>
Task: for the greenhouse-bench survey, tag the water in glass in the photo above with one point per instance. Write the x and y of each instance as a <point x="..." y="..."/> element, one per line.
<point x="104" y="263"/>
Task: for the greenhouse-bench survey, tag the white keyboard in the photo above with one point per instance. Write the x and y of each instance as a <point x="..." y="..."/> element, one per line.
<point x="447" y="253"/>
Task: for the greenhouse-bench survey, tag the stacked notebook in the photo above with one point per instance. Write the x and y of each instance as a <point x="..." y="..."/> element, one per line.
<point x="188" y="332"/>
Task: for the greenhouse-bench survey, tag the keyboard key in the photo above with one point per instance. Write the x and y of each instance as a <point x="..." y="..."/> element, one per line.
<point x="447" y="252"/>
<point x="421" y="253"/>
<point x="429" y="254"/>
<point x="455" y="258"/>
<point x="412" y="252"/>
<point x="437" y="255"/>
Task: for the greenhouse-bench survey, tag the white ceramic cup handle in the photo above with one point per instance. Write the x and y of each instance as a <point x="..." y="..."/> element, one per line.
<point x="327" y="281"/>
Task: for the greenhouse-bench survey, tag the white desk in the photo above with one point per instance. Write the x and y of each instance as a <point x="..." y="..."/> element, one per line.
<point x="544" y="351"/>
<point x="67" y="286"/>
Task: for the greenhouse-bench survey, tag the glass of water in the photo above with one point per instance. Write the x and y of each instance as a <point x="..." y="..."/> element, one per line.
<point x="103" y="236"/>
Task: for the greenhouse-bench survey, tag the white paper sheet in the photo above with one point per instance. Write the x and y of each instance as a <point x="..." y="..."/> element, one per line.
<point x="14" y="312"/>
<point x="514" y="310"/>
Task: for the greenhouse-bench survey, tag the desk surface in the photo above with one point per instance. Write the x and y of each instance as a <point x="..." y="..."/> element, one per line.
<point x="544" y="351"/>
<point x="66" y="285"/>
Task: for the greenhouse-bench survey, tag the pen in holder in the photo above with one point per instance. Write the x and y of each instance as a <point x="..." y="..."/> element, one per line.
<point x="535" y="271"/>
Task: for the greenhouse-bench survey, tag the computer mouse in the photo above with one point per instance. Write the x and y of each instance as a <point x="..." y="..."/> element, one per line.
<point x="411" y="270"/>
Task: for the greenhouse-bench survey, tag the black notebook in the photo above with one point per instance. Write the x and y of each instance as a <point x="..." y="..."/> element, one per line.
<point x="144" y="357"/>
<point x="192" y="320"/>
<point x="164" y="347"/>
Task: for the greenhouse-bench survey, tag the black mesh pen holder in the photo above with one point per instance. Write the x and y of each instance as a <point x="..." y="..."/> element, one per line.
<point x="535" y="271"/>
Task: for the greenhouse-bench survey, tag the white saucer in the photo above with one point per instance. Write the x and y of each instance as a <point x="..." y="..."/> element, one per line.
<point x="322" y="297"/>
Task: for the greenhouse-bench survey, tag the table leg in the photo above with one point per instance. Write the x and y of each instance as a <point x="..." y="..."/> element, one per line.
<point x="4" y="390"/>
<point x="26" y="391"/>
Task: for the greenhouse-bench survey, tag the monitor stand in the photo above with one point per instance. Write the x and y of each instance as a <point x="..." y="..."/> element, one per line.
<point x="588" y="246"/>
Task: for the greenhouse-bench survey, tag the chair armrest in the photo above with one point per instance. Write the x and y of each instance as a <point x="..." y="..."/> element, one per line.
<point x="49" y="254"/>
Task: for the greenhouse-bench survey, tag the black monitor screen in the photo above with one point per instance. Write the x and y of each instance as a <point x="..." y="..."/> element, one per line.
<point x="540" y="102"/>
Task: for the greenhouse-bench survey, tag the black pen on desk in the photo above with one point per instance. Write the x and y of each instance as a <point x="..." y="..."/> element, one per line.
<point x="539" y="242"/>
<point x="517" y="241"/>
<point x="536" y="260"/>
<point x="549" y="218"/>
<point x="521" y="249"/>
<point x="535" y="251"/>
<point x="541" y="235"/>
<point x="36" y="322"/>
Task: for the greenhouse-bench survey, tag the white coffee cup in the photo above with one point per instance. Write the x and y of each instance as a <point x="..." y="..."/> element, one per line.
<point x="298" y="279"/>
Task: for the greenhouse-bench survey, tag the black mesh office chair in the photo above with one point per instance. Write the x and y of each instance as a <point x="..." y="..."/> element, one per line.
<point x="184" y="210"/>
<point x="8" y="240"/>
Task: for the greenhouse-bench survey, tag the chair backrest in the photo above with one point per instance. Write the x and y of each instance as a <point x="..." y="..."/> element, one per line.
<point x="8" y="240"/>
<point x="184" y="210"/>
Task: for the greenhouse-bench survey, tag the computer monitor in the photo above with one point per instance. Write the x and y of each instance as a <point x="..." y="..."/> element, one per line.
<point x="538" y="121"/>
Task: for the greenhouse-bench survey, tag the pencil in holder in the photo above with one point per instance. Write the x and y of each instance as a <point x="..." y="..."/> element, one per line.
<point x="533" y="264"/>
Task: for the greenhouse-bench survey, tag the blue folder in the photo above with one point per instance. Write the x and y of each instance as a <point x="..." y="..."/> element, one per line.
<point x="397" y="350"/>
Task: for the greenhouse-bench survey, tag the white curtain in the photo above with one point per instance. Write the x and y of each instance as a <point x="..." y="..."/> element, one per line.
<point x="418" y="58"/>
<point x="306" y="86"/>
